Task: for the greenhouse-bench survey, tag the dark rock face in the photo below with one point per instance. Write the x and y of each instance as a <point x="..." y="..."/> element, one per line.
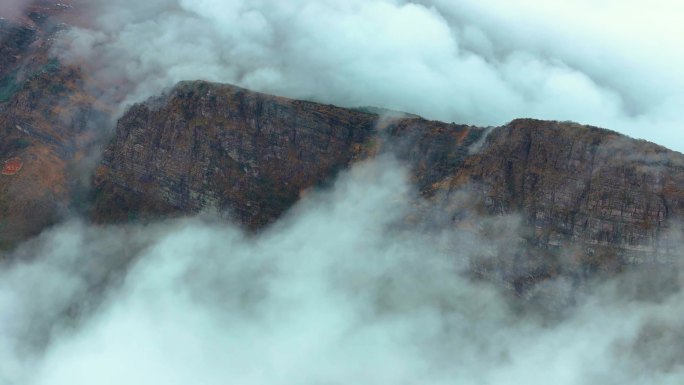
<point x="434" y="150"/>
<point x="581" y="188"/>
<point x="206" y="146"/>
<point x="586" y="194"/>
<point x="210" y="146"/>
<point x="15" y="39"/>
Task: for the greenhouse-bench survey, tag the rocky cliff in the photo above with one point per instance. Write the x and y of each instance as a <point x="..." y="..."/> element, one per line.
<point x="209" y="147"/>
<point x="590" y="200"/>
<point x="579" y="185"/>
<point x="585" y="194"/>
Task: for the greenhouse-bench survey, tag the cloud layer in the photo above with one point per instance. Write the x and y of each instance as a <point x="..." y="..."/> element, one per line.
<point x="473" y="62"/>
<point x="337" y="292"/>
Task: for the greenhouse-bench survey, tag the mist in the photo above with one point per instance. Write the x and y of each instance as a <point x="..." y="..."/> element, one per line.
<point x="340" y="290"/>
<point x="614" y="64"/>
<point x="13" y="8"/>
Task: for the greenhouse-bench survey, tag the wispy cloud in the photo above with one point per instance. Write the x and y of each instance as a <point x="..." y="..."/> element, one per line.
<point x="473" y="62"/>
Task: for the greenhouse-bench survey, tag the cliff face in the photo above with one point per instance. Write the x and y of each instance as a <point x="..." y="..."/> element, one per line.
<point x="218" y="147"/>
<point x="47" y="124"/>
<point x="590" y="200"/>
<point x="587" y="194"/>
<point x="580" y="186"/>
<point x="223" y="148"/>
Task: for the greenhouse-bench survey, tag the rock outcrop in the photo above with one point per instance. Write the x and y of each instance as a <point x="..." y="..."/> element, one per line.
<point x="205" y="147"/>
<point x="585" y="194"/>
<point x="590" y="200"/>
<point x="581" y="186"/>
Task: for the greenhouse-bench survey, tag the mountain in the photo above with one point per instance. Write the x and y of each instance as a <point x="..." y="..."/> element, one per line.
<point x="586" y="194"/>
<point x="588" y="200"/>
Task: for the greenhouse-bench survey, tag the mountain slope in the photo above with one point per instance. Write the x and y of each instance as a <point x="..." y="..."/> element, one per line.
<point x="588" y="194"/>
<point x="48" y="124"/>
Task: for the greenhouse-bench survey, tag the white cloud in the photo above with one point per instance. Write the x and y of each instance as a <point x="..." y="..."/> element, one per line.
<point x="337" y="292"/>
<point x="630" y="49"/>
<point x="613" y="64"/>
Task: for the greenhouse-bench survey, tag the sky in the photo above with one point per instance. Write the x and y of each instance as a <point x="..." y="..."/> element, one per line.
<point x="609" y="63"/>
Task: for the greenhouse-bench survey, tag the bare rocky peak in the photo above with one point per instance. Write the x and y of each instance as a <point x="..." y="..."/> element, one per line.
<point x="583" y="193"/>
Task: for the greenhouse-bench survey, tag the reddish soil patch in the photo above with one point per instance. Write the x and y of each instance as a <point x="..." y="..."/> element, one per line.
<point x="12" y="166"/>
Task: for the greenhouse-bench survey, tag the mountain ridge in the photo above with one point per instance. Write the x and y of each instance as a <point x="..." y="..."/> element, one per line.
<point x="608" y="198"/>
<point x="585" y="194"/>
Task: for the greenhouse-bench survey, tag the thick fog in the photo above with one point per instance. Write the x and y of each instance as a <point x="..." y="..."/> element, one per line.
<point x="340" y="291"/>
<point x="615" y="64"/>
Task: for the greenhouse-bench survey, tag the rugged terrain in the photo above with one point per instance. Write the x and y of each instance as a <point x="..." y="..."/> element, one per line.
<point x="585" y="194"/>
<point x="48" y="124"/>
<point x="588" y="199"/>
<point x="224" y="148"/>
